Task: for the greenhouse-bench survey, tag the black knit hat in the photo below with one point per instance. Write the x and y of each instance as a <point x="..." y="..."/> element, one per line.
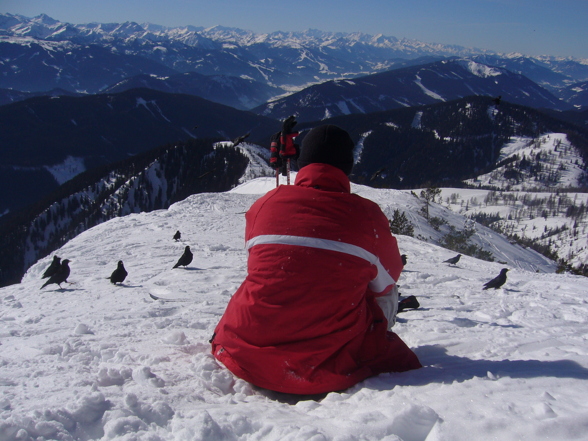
<point x="327" y="144"/>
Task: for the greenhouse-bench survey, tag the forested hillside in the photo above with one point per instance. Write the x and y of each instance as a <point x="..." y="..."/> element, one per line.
<point x="146" y="182"/>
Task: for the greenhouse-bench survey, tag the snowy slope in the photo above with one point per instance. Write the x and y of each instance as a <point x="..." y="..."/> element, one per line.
<point x="97" y="361"/>
<point x="534" y="195"/>
<point x="551" y="162"/>
<point x="521" y="214"/>
<point x="501" y="249"/>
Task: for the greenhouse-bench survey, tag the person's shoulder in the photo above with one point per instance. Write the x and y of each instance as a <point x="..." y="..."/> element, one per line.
<point x="364" y="201"/>
<point x="279" y="192"/>
<point x="368" y="207"/>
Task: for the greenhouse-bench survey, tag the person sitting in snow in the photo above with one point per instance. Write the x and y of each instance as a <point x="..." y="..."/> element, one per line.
<point x="314" y="312"/>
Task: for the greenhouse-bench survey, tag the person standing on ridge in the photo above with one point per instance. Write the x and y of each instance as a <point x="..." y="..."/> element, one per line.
<point x="314" y="312"/>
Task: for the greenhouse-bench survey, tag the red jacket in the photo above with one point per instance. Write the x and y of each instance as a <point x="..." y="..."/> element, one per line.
<point x="305" y="320"/>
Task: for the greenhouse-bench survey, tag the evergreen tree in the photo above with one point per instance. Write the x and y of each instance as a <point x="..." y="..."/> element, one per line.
<point x="399" y="224"/>
<point x="429" y="195"/>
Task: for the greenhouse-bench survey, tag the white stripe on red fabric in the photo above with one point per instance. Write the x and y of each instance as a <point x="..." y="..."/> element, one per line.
<point x="382" y="281"/>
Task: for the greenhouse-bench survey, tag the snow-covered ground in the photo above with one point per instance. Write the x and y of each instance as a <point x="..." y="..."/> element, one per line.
<point x="97" y="361"/>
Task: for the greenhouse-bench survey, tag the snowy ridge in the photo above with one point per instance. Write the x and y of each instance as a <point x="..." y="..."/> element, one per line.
<point x="547" y="162"/>
<point x="286" y="60"/>
<point x="43" y="27"/>
<point x="258" y="160"/>
<point x="94" y="361"/>
<point x="29" y="41"/>
<point x="435" y="82"/>
<point x="481" y="70"/>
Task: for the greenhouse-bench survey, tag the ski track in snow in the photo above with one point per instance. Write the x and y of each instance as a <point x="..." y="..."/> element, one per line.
<point x="97" y="361"/>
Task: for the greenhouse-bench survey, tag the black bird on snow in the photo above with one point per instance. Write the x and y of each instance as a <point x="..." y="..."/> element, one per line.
<point x="497" y="281"/>
<point x="185" y="259"/>
<point x="119" y="274"/>
<point x="404" y="259"/>
<point x="453" y="260"/>
<point x="60" y="276"/>
<point x="240" y="139"/>
<point x="177" y="236"/>
<point x="52" y="269"/>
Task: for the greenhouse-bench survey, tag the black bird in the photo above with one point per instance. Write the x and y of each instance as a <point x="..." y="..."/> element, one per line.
<point x="185" y="259"/>
<point x="378" y="173"/>
<point x="177" y="236"/>
<point x="497" y="281"/>
<point x="404" y="259"/>
<point x="52" y="269"/>
<point x="119" y="274"/>
<point x="453" y="260"/>
<point x="240" y="139"/>
<point x="409" y="302"/>
<point x="60" y="276"/>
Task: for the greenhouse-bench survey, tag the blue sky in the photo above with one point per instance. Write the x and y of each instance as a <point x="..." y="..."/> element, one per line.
<point x="532" y="27"/>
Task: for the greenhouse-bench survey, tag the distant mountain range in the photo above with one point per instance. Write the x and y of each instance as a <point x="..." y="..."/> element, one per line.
<point x="576" y="95"/>
<point x="231" y="91"/>
<point x="45" y="141"/>
<point x="411" y="86"/>
<point x="42" y="54"/>
<point x="446" y="143"/>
